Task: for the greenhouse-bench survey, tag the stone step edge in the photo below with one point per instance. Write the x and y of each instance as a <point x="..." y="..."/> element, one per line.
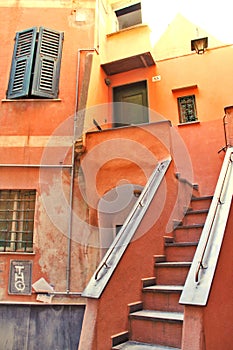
<point x="201" y="198"/>
<point x="163" y="288"/>
<point x="162" y="316"/>
<point x="120" y="338"/>
<point x="174" y="264"/>
<point x="186" y="227"/>
<point x="191" y="211"/>
<point x="181" y="244"/>
<point x="134" y="307"/>
<point x="142" y="346"/>
<point x="149" y="281"/>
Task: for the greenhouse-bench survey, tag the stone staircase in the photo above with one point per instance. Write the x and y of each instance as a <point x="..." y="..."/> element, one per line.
<point x="156" y="321"/>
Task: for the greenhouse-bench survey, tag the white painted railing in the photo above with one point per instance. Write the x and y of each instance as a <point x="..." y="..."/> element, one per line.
<point x="118" y="247"/>
<point x="201" y="274"/>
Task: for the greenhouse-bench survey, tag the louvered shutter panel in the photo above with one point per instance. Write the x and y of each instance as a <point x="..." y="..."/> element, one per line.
<point x="21" y="66"/>
<point x="47" y="65"/>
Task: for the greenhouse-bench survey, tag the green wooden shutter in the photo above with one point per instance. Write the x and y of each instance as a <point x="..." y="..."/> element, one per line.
<point x="21" y="66"/>
<point x="47" y="64"/>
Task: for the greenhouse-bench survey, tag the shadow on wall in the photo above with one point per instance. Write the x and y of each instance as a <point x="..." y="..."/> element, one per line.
<point x="113" y="209"/>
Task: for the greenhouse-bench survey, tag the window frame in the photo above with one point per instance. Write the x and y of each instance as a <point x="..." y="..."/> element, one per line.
<point x="184" y="118"/>
<point x="35" y="66"/>
<point x="17" y="217"/>
<point x="130" y="11"/>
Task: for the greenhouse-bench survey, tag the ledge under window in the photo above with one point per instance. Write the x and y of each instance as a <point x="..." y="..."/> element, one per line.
<point x="31" y="100"/>
<point x="135" y="26"/>
<point x="189" y="123"/>
<point x="18" y="253"/>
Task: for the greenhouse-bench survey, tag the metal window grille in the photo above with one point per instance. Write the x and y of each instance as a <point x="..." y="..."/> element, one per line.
<point x="17" y="209"/>
<point x="187" y="109"/>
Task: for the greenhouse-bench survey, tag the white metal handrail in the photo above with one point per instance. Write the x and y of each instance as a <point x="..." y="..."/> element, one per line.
<point x="219" y="202"/>
<point x="111" y="259"/>
<point x="200" y="277"/>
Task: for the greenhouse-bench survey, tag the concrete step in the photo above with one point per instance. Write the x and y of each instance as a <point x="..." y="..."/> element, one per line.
<point x="156" y="327"/>
<point x="163" y="298"/>
<point x="195" y="216"/>
<point x="188" y="233"/>
<point x="180" y="251"/>
<point x="159" y="258"/>
<point x="149" y="281"/>
<point x="172" y="273"/>
<point x="134" y="345"/>
<point x="201" y="202"/>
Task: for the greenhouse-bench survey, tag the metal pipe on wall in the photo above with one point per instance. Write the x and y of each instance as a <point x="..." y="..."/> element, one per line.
<point x="36" y="165"/>
<point x="71" y="196"/>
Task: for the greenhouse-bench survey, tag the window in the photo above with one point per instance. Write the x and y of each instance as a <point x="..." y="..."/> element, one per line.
<point x="131" y="105"/>
<point x="187" y="109"/>
<point x="17" y="208"/>
<point x="129" y="16"/>
<point x="35" y="66"/>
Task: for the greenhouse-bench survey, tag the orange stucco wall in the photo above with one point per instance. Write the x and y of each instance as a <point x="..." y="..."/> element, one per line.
<point x="109" y="314"/>
<point x="123" y="155"/>
<point x="35" y="132"/>
<point x="38" y="132"/>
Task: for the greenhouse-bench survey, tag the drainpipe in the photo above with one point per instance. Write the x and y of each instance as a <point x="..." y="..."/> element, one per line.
<point x="71" y="196"/>
<point x="224" y="148"/>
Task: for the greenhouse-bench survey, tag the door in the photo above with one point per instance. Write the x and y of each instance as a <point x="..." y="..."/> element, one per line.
<point x="130" y="104"/>
<point x="38" y="326"/>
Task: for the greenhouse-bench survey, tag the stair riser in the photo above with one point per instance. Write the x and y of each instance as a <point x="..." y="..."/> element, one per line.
<point x="157" y="332"/>
<point x="171" y="275"/>
<point x="162" y="301"/>
<point x="180" y="253"/>
<point x="120" y="338"/>
<point x="200" y="204"/>
<point x="190" y="219"/>
<point x="187" y="234"/>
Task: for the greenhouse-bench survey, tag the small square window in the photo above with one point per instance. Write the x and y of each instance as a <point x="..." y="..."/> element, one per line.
<point x="17" y="208"/>
<point x="129" y="16"/>
<point x="187" y="109"/>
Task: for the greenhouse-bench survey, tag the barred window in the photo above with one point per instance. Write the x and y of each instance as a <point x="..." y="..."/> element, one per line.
<point x="187" y="109"/>
<point x="17" y="209"/>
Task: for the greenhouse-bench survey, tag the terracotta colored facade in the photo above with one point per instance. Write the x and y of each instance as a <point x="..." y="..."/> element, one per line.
<point x="53" y="146"/>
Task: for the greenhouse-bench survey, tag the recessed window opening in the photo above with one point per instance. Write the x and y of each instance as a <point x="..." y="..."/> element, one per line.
<point x="17" y="208"/>
<point x="129" y="16"/>
<point x="187" y="109"/>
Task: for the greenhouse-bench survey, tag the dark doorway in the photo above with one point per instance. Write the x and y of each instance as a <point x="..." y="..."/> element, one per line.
<point x="130" y="104"/>
<point x="38" y="326"/>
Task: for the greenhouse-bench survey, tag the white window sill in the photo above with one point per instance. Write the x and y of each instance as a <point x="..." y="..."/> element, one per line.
<point x="141" y="25"/>
<point x="18" y="253"/>
<point x="32" y="100"/>
<point x="189" y="123"/>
